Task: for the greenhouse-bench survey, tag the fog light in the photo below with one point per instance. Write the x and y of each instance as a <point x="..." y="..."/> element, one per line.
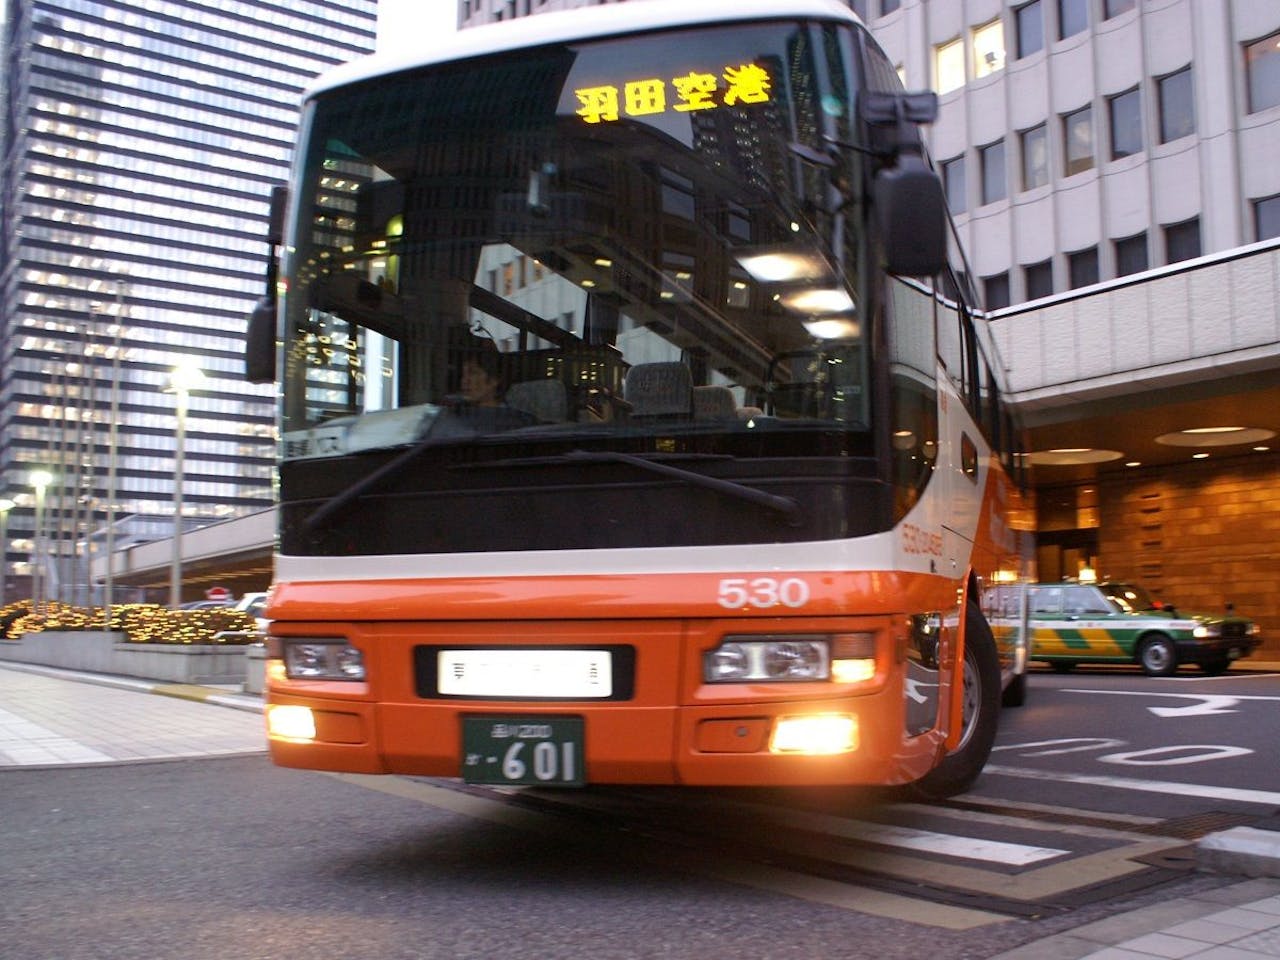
<point x="287" y="722"/>
<point x="822" y="733"/>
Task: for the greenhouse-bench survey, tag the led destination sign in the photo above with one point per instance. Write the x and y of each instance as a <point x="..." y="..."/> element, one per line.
<point x="742" y="84"/>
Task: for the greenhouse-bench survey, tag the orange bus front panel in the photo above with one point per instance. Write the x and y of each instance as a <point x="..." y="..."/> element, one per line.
<point x="671" y="727"/>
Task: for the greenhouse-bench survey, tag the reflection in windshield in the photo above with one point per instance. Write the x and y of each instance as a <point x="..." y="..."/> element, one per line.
<point x="1130" y="597"/>
<point x="611" y="238"/>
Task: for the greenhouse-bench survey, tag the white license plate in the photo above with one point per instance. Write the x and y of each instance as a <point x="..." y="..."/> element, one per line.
<point x="569" y="674"/>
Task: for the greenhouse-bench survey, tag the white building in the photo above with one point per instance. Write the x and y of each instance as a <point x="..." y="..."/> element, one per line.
<point x="1082" y="140"/>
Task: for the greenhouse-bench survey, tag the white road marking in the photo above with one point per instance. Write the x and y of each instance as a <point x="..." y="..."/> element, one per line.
<point x="1208" y="703"/>
<point x="1264" y="797"/>
<point x="950" y="845"/>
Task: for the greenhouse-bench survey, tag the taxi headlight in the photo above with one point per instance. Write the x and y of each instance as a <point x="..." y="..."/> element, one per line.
<point x="1207" y="631"/>
<point x="322" y="660"/>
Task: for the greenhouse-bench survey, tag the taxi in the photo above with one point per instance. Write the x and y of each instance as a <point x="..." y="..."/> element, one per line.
<point x="1115" y="622"/>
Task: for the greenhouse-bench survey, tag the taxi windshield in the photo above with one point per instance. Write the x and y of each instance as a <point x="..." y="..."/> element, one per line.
<point x="1131" y="598"/>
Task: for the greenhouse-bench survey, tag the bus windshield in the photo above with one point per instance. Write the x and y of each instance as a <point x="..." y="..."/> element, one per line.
<point x="606" y="241"/>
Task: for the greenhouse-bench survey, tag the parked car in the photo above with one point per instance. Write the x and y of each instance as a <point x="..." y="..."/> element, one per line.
<point x="205" y="605"/>
<point x="1117" y="622"/>
<point x="254" y="604"/>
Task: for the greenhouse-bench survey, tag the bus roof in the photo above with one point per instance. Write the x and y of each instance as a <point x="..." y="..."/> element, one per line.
<point x="566" y="25"/>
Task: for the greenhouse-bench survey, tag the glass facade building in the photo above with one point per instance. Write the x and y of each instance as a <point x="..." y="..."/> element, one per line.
<point x="140" y="142"/>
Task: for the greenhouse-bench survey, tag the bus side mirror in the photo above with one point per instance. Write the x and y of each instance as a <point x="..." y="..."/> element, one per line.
<point x="260" y="337"/>
<point x="912" y="212"/>
<point x="910" y="205"/>
<point x="260" y="343"/>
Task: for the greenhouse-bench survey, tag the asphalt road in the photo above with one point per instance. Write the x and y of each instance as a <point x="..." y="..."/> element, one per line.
<point x="233" y="858"/>
<point x="1111" y="739"/>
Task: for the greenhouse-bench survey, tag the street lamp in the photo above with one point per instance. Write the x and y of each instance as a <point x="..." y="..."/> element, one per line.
<point x="39" y="480"/>
<point x="5" y="506"/>
<point x="182" y="380"/>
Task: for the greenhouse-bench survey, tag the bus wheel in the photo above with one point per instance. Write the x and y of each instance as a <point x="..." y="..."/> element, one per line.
<point x="1063" y="666"/>
<point x="980" y="714"/>
<point x="1157" y="656"/>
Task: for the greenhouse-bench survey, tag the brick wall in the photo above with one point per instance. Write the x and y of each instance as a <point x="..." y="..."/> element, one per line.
<point x="1200" y="535"/>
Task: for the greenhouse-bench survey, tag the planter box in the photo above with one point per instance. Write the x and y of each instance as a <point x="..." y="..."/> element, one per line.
<point x="255" y="668"/>
<point x="103" y="652"/>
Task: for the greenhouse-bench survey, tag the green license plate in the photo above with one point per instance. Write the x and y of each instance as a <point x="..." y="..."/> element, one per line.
<point x="523" y="751"/>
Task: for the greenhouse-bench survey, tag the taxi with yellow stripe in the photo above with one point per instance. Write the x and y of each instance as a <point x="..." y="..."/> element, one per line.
<point x="1116" y="622"/>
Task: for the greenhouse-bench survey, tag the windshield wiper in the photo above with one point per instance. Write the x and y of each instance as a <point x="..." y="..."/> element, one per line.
<point x="783" y="505"/>
<point x="366" y="483"/>
<point x="786" y="506"/>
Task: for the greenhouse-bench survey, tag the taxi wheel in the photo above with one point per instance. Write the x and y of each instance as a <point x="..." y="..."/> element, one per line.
<point x="1015" y="694"/>
<point x="1157" y="656"/>
<point x="980" y="714"/>
<point x="1215" y="666"/>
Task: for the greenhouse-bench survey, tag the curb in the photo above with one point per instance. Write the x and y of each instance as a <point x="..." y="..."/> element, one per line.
<point x="1246" y="851"/>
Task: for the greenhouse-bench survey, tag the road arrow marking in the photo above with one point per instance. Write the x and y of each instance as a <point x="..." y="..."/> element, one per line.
<point x="1208" y="704"/>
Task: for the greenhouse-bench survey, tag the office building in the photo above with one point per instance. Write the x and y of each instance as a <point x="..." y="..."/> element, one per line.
<point x="1111" y="168"/>
<point x="139" y="146"/>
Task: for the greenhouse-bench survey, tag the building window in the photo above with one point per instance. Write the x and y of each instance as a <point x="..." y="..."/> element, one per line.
<point x="1182" y="240"/>
<point x="995" y="291"/>
<point x="1073" y="17"/>
<point x="1113" y="8"/>
<point x="1177" y="106"/>
<point x="948" y="66"/>
<point x="1035" y="158"/>
<point x="889" y="6"/>
<point x="954" y="184"/>
<point x="1126" y="124"/>
<point x="1131" y="254"/>
<point x="993" y="179"/>
<point x="1083" y="267"/>
<point x="1029" y="20"/>
<point x="1262" y="64"/>
<point x="1077" y="141"/>
<point x="1039" y="279"/>
<point x="1266" y="217"/>
<point x="988" y="48"/>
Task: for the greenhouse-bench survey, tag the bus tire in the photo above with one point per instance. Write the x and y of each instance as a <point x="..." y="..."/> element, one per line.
<point x="1157" y="655"/>
<point x="960" y="768"/>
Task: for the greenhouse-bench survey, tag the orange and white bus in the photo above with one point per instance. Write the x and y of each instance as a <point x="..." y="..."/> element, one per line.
<point x="634" y="426"/>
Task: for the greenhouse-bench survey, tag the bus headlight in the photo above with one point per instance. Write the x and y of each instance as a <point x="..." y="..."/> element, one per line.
<point x="753" y="659"/>
<point x="841" y="657"/>
<point x="322" y="660"/>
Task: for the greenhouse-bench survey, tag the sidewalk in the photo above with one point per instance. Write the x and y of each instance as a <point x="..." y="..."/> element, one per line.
<point x="51" y="717"/>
